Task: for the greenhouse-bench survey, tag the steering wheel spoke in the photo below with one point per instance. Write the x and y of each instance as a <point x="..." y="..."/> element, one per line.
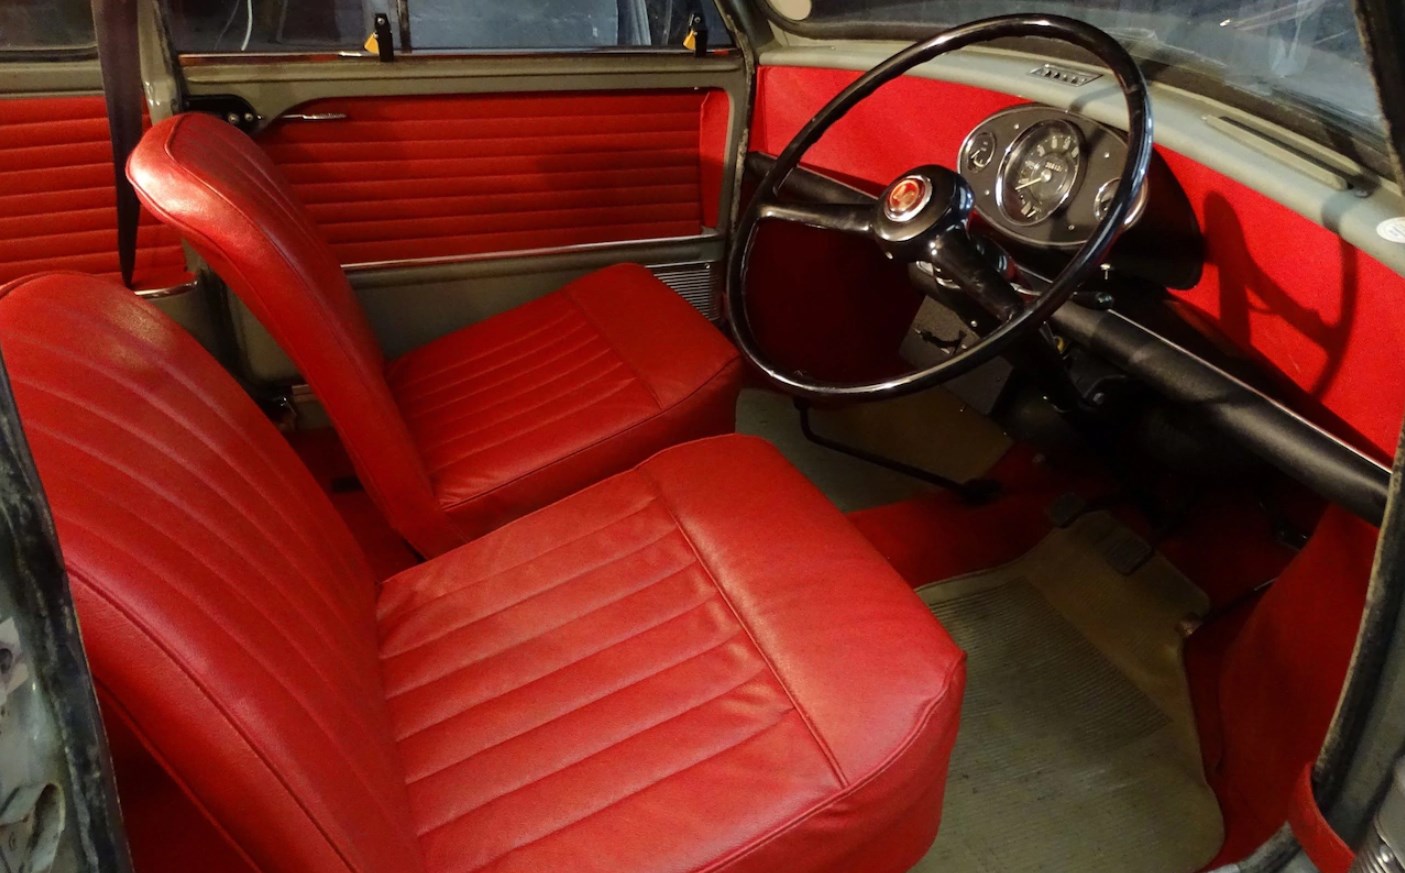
<point x="843" y="217"/>
<point x="957" y="258"/>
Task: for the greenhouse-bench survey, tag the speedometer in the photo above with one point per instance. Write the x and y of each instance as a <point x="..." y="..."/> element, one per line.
<point x="1040" y="172"/>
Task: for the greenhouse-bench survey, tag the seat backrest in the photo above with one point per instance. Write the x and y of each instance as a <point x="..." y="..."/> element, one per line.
<point x="234" y="207"/>
<point x="228" y="614"/>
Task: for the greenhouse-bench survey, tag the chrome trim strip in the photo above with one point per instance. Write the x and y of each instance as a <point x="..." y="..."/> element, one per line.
<point x="201" y="59"/>
<point x="312" y="116"/>
<point x="405" y="263"/>
<point x="171" y="291"/>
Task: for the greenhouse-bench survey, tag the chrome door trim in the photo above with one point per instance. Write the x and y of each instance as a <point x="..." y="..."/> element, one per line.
<point x="206" y="59"/>
<point x="624" y="245"/>
<point x="312" y="116"/>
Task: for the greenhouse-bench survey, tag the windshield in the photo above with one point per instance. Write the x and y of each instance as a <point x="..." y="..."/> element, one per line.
<point x="1303" y="51"/>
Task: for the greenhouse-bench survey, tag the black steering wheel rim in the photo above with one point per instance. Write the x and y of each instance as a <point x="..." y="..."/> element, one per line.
<point x="1029" y="317"/>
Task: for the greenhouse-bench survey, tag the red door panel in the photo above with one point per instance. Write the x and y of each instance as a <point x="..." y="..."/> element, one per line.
<point x="1278" y="285"/>
<point x="427" y="177"/>
<point x="57" y="200"/>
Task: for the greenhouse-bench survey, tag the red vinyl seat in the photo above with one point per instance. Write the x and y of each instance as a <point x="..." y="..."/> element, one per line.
<point x="480" y="426"/>
<point x="694" y="665"/>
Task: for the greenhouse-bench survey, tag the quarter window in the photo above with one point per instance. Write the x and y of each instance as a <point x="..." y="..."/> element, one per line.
<point x="45" y="25"/>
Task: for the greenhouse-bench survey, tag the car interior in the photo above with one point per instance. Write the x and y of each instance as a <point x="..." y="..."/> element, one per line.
<point x="677" y="435"/>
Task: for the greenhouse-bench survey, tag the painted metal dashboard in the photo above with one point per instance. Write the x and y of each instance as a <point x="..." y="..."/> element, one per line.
<point x="1294" y="269"/>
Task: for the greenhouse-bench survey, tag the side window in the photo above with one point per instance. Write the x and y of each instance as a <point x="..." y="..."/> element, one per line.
<point x="45" y="26"/>
<point x="220" y="26"/>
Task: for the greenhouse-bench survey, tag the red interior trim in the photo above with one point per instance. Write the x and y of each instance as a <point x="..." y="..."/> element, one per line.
<point x="58" y="203"/>
<point x="1327" y="851"/>
<point x="1276" y="284"/>
<point x="426" y="177"/>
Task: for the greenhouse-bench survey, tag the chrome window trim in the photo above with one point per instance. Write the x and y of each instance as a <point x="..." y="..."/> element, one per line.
<point x="444" y="260"/>
<point x="201" y="59"/>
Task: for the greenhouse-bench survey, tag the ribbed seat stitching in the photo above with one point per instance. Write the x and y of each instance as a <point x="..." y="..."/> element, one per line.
<point x="488" y="352"/>
<point x="141" y="481"/>
<point x="274" y="674"/>
<point x="603" y="694"/>
<point x="537" y="637"/>
<point x="441" y="466"/>
<point x="557" y="546"/>
<point x="256" y="605"/>
<point x="315" y="547"/>
<point x="276" y="773"/>
<point x="536" y="595"/>
<point x="780" y="680"/>
<point x="641" y="731"/>
<point x="478" y="382"/>
<point x="557" y="669"/>
<point x="486" y="424"/>
<point x="562" y="375"/>
<point x="634" y="793"/>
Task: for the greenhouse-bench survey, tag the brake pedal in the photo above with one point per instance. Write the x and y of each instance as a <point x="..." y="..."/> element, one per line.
<point x="1126" y="552"/>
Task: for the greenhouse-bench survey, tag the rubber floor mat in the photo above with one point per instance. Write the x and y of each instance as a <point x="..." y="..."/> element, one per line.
<point x="1077" y="748"/>
<point x="965" y="445"/>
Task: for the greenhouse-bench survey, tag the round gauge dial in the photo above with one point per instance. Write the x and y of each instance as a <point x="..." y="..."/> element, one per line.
<point x="1040" y="171"/>
<point x="1102" y="202"/>
<point x="980" y="149"/>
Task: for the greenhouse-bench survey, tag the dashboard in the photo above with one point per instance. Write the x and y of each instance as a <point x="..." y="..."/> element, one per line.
<point x="1043" y="178"/>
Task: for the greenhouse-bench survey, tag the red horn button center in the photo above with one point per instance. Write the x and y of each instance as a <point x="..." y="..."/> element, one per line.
<point x="907" y="197"/>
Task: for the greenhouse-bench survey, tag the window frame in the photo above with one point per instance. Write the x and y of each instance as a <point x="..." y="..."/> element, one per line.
<point x="400" y="24"/>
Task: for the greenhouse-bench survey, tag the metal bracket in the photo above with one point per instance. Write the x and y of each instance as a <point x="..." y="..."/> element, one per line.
<point x="385" y="44"/>
<point x="228" y="107"/>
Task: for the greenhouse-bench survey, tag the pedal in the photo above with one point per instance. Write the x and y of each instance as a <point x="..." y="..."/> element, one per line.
<point x="1126" y="552"/>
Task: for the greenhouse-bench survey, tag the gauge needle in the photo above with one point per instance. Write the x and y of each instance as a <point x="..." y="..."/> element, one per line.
<point x="1042" y="177"/>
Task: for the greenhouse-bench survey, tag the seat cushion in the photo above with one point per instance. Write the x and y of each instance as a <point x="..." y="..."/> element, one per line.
<point x="529" y="406"/>
<point x="694" y="665"/>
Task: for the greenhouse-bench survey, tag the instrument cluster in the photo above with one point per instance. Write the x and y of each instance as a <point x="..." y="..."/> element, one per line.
<point x="1044" y="176"/>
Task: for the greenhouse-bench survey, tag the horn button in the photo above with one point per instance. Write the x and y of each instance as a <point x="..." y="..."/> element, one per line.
<point x="922" y="203"/>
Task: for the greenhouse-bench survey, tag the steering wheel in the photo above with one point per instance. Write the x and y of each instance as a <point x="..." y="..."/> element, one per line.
<point x="923" y="216"/>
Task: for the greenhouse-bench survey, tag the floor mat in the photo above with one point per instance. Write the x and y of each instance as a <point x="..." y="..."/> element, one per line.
<point x="1077" y="748"/>
<point x="932" y="430"/>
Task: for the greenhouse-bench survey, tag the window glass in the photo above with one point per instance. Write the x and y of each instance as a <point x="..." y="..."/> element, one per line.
<point x="558" y="24"/>
<point x="45" y="25"/>
<point x="437" y="25"/>
<point x="1303" y="51"/>
<point x="270" y="25"/>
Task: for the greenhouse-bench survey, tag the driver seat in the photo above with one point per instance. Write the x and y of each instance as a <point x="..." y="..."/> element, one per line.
<point x="697" y="664"/>
<point x="480" y="426"/>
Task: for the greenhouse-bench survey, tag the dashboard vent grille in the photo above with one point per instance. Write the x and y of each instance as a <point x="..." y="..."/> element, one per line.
<point x="1073" y="78"/>
<point x="699" y="283"/>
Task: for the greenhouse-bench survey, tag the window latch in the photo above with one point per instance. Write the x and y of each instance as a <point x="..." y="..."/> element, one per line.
<point x="380" y="40"/>
<point x="696" y="40"/>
